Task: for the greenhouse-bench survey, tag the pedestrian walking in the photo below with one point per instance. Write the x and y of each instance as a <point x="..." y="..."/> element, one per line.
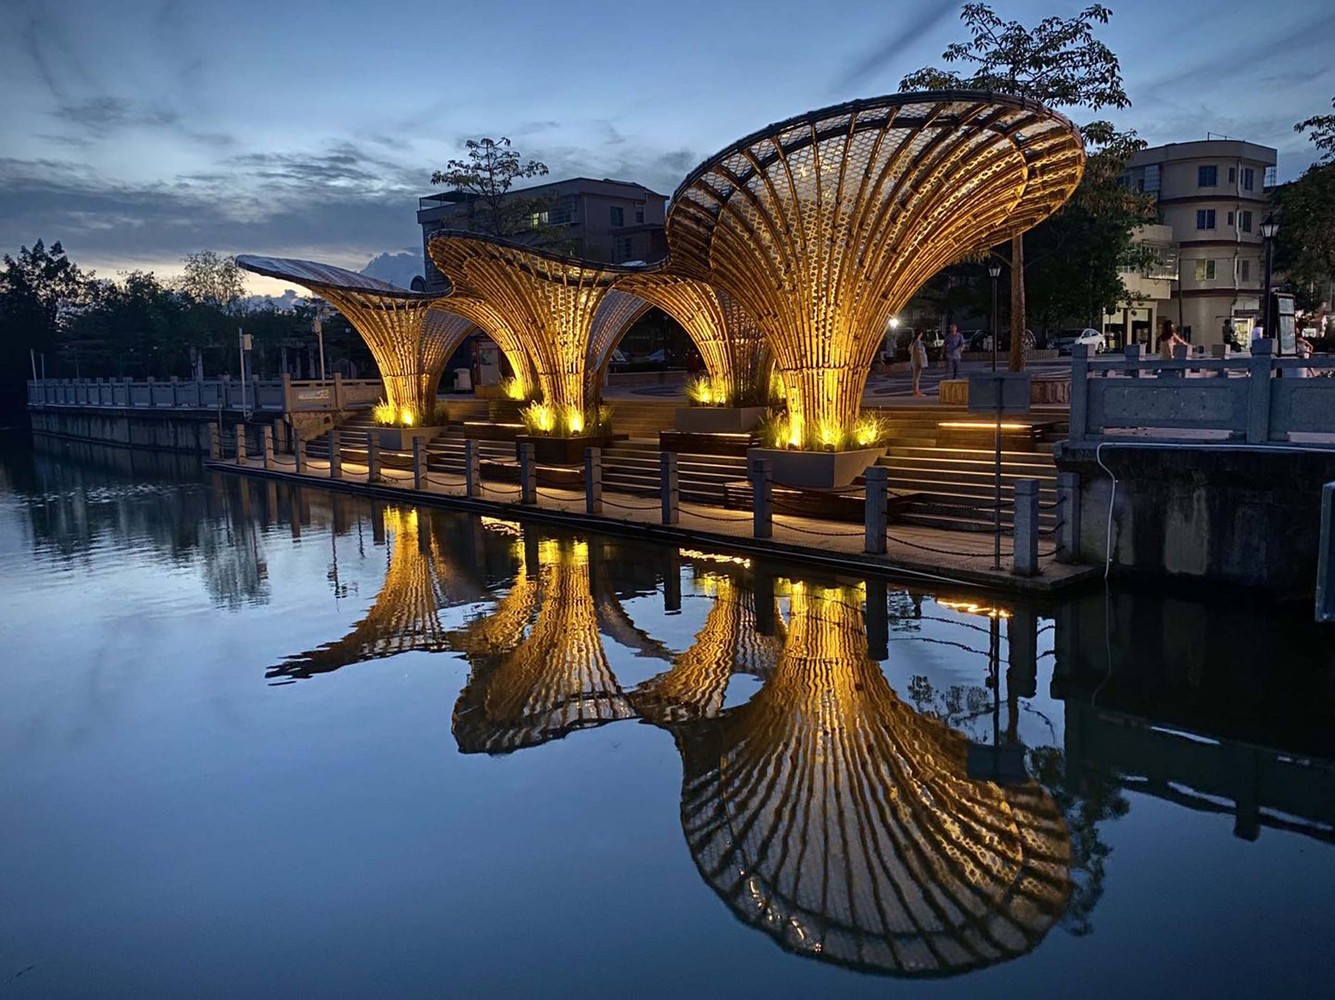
<point x="917" y="361"/>
<point x="954" y="351"/>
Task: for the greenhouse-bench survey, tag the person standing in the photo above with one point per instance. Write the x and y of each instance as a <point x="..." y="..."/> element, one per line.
<point x="954" y="351"/>
<point x="917" y="360"/>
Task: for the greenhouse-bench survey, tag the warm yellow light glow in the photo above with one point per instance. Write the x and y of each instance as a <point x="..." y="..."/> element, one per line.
<point x="406" y="415"/>
<point x="982" y="425"/>
<point x="574" y="420"/>
<point x="972" y="608"/>
<point x="383" y="413"/>
<point x="717" y="557"/>
<point x="510" y="528"/>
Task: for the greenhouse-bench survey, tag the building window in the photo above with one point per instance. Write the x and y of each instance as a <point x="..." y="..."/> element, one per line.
<point x="1205" y="270"/>
<point x="624" y="248"/>
<point x="1230" y="218"/>
<point x="537" y="220"/>
<point x="1245" y="222"/>
<point x="1248" y="179"/>
<point x="639" y="215"/>
<point x="1232" y="174"/>
<point x="1207" y="177"/>
<point x="1151" y="182"/>
<point x="618" y="215"/>
<point x="1205" y="218"/>
<point x="1246" y="270"/>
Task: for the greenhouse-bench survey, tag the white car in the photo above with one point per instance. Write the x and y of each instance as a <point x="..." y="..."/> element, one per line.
<point x="1090" y="337"/>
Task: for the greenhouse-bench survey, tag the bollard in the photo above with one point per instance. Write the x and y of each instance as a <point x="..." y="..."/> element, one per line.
<point x="215" y="442"/>
<point x="1068" y="517"/>
<point x="472" y="469"/>
<point x="335" y="455"/>
<point x="1025" y="555"/>
<point x="372" y="455"/>
<point x="298" y="452"/>
<point x="874" y="514"/>
<point x="761" y="475"/>
<point x="528" y="474"/>
<point x="240" y="444"/>
<point x="593" y="480"/>
<point x="668" y="488"/>
<point x="266" y="442"/>
<point x="419" y="464"/>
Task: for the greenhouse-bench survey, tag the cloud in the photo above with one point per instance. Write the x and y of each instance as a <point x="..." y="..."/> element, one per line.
<point x="907" y="32"/>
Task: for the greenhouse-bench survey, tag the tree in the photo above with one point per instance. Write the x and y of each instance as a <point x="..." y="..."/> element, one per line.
<point x="1322" y="128"/>
<point x="212" y="279"/>
<point x="36" y="292"/>
<point x="1058" y="62"/>
<point x="1305" y="249"/>
<point x="488" y="176"/>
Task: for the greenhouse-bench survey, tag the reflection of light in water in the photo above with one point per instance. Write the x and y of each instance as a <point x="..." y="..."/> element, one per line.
<point x="717" y="557"/>
<point x="831" y="815"/>
<point x="972" y="608"/>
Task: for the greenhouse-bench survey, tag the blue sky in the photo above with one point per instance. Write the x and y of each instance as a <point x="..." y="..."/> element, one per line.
<point x="136" y="132"/>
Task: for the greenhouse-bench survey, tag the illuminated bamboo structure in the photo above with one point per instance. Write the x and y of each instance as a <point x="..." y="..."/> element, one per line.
<point x="830" y="815"/>
<point x="551" y="677"/>
<point x="408" y="333"/>
<point x="549" y="301"/>
<point x="824" y="225"/>
<point x="422" y="577"/>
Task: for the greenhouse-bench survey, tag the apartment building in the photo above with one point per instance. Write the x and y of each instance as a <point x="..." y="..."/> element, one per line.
<point x="1150" y="286"/>
<point x="1211" y="194"/>
<point x="606" y="220"/>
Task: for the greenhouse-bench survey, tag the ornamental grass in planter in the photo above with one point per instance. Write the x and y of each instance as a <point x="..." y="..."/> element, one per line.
<point x="826" y="457"/>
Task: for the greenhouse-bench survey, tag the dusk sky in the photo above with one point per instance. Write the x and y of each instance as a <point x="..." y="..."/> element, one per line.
<point x="136" y="132"/>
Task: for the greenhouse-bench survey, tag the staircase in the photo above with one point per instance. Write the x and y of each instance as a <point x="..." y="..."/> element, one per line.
<point x="644" y="418"/>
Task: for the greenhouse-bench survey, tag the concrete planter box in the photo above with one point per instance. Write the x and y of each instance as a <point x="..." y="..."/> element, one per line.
<point x="822" y="470"/>
<point x="718" y="419"/>
<point x="561" y="450"/>
<point x="401" y="438"/>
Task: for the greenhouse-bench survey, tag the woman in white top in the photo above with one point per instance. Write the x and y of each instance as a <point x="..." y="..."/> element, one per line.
<point x="917" y="361"/>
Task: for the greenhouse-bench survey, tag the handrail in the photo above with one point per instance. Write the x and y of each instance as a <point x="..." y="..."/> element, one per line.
<point x="282" y="395"/>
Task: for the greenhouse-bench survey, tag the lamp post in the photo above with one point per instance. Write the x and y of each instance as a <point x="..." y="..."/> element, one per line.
<point x="317" y="324"/>
<point x="994" y="269"/>
<point x="1269" y="230"/>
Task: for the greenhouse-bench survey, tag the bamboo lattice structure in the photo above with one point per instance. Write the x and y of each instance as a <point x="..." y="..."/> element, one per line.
<point x="408" y="333"/>
<point x="829" y="814"/>
<point x="824" y="225"/>
<point x="549" y="301"/>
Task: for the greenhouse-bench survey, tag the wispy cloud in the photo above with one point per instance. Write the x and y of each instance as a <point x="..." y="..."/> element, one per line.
<point x="908" y="28"/>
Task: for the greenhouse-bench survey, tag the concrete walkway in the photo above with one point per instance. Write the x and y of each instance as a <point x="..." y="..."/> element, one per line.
<point x="959" y="557"/>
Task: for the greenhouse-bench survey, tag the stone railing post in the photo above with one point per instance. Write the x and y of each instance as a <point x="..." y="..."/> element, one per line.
<point x="593" y="480"/>
<point x="287" y="393"/>
<point x="1068" y="517"/>
<point x="419" y="464"/>
<point x="298" y="452"/>
<point x="528" y="474"/>
<point x="266" y="443"/>
<point x="338" y="391"/>
<point x="335" y="454"/>
<point x="1258" y="391"/>
<point x="215" y="441"/>
<point x="176" y="398"/>
<point x="472" y="469"/>
<point x="240" y="444"/>
<point x="372" y="455"/>
<point x="1133" y="356"/>
<point x="761" y="474"/>
<point x="669" y="491"/>
<point x="1079" y="392"/>
<point x="875" y="509"/>
<point x="1025" y="555"/>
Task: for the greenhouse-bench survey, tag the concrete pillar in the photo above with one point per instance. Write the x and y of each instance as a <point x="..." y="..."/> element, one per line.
<point x="372" y="455"/>
<point x="1026" y="528"/>
<point x="266" y="442"/>
<point x="760" y="473"/>
<point x="472" y="469"/>
<point x="335" y="455"/>
<point x="669" y="492"/>
<point x="1068" y="517"/>
<point x="1258" y="391"/>
<point x="338" y="391"/>
<point x="240" y="444"/>
<point x="298" y="452"/>
<point x="528" y="474"/>
<point x="875" y="510"/>
<point x="419" y="464"/>
<point x="215" y="441"/>
<point x="593" y="480"/>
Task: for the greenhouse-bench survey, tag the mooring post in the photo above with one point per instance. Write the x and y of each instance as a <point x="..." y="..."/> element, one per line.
<point x="298" y="452"/>
<point x="472" y="469"/>
<point x="419" y="464"/>
<point x="875" y="510"/>
<point x="761" y="472"/>
<point x="593" y="480"/>
<point x="1025" y="561"/>
<point x="372" y="455"/>
<point x="215" y="441"/>
<point x="668" y="486"/>
<point x="266" y="443"/>
<point x="240" y="444"/>
<point x="335" y="454"/>
<point x="1068" y="517"/>
<point x="528" y="474"/>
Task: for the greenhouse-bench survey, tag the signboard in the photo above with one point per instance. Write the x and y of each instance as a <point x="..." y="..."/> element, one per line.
<point x="1288" y="335"/>
<point x="1002" y="393"/>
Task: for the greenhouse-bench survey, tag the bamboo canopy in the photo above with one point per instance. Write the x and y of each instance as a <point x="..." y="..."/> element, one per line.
<point x="824" y="225"/>
<point x="408" y="333"/>
<point x="830" y="815"/>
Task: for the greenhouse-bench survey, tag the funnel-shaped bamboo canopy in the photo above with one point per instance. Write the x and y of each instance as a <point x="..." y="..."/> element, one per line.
<point x="824" y="225"/>
<point x="829" y="814"/>
<point x="409" y="334"/>
<point x="549" y="301"/>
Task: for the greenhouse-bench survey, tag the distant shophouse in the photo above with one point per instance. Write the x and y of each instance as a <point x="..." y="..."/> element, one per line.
<point x="1212" y="196"/>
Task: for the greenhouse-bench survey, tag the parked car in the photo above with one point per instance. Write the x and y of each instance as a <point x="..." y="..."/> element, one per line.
<point x="1091" y="338"/>
<point x="978" y="340"/>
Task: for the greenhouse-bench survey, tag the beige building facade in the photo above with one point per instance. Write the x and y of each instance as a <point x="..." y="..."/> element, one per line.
<point x="1211" y="196"/>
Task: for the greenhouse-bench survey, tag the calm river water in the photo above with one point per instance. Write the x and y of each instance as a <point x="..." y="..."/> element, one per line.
<point x="268" y="741"/>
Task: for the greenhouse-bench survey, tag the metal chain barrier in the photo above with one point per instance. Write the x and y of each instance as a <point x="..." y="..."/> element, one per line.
<point x="738" y="519"/>
<point x="812" y="531"/>
<point x="939" y="551"/>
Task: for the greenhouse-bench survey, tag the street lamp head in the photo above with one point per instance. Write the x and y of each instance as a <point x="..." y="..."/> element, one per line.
<point x="994" y="268"/>
<point x="1269" y="228"/>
